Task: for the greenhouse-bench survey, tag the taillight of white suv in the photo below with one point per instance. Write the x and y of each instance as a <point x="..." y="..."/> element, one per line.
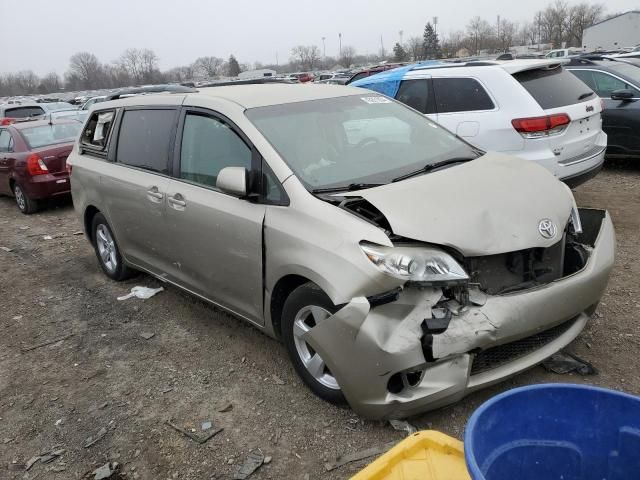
<point x="537" y="127"/>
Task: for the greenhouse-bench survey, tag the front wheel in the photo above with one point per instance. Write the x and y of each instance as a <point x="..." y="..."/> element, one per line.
<point x="25" y="204"/>
<point x="107" y="250"/>
<point x="307" y="306"/>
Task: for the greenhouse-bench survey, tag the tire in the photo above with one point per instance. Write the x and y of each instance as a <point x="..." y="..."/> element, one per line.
<point x="25" y="204"/>
<point x="107" y="251"/>
<point x="306" y="306"/>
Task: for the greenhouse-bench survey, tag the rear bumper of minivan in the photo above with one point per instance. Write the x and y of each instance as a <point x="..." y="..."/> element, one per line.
<point x="380" y="356"/>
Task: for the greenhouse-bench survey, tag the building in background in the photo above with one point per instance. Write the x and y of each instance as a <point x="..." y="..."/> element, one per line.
<point x="621" y="31"/>
<point x="251" y="74"/>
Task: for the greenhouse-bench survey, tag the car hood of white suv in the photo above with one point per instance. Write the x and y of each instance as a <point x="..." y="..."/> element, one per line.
<point x="494" y="204"/>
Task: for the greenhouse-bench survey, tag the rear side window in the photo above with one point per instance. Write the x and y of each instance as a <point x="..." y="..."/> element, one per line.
<point x="553" y="88"/>
<point x="5" y="141"/>
<point x="145" y="138"/>
<point x="96" y="133"/>
<point x="23" y="112"/>
<point x="208" y="146"/>
<point x="415" y="93"/>
<point x="460" y="95"/>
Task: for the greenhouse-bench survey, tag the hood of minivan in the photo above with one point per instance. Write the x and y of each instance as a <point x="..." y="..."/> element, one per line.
<point x="490" y="205"/>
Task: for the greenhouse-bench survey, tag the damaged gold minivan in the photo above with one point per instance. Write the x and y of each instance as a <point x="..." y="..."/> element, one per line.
<point x="401" y="267"/>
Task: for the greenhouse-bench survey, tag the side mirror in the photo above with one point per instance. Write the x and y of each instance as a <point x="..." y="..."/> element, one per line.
<point x="624" y="95"/>
<point x="233" y="180"/>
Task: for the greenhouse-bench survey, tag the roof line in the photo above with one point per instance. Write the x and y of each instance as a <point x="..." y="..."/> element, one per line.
<point x="611" y="18"/>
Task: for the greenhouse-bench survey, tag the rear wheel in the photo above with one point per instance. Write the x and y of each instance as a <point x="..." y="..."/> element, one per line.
<point x="107" y="250"/>
<point x="25" y="204"/>
<point x="306" y="307"/>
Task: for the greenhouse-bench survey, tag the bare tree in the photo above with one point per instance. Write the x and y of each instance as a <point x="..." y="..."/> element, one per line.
<point x="414" y="48"/>
<point x="86" y="68"/>
<point x="131" y="63"/>
<point x="348" y="55"/>
<point x="306" y="56"/>
<point x="148" y="65"/>
<point x="49" y="83"/>
<point x="505" y="34"/>
<point x="478" y="30"/>
<point x="208" y="66"/>
<point x="581" y="16"/>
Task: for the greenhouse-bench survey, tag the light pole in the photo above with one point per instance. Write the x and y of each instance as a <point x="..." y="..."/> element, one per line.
<point x="435" y="25"/>
<point x="324" y="48"/>
<point x="401" y="32"/>
<point x="340" y="42"/>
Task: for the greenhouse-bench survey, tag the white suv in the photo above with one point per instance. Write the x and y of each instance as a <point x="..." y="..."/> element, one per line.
<point x="533" y="109"/>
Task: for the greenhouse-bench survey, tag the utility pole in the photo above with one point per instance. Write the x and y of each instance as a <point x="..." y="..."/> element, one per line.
<point x="382" y="48"/>
<point x="277" y="64"/>
<point x="340" y="41"/>
<point x="324" y="48"/>
<point x="435" y="25"/>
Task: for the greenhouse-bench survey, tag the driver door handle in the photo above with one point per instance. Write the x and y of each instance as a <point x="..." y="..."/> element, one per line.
<point x="154" y="193"/>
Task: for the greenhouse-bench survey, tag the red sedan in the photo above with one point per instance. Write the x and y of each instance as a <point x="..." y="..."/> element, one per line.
<point x="33" y="158"/>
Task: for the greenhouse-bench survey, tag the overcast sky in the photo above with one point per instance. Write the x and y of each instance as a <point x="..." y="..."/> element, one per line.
<point x="41" y="35"/>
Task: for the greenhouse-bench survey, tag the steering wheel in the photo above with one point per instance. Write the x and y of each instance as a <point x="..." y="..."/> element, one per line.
<point x="366" y="141"/>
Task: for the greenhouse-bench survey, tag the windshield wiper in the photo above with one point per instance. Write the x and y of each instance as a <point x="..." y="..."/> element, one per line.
<point x="433" y="166"/>
<point x="585" y="95"/>
<point x="346" y="188"/>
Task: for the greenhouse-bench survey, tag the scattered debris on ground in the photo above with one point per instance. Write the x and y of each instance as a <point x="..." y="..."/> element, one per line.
<point x="226" y="407"/>
<point x="147" y="335"/>
<point x="143" y="293"/>
<point x="277" y="380"/>
<point x="108" y="470"/>
<point x="193" y="436"/>
<point x="563" y="363"/>
<point x="253" y="461"/>
<point x="47" y="343"/>
<point x="403" y="426"/>
<point x="91" y="441"/>
<point x="354" y="457"/>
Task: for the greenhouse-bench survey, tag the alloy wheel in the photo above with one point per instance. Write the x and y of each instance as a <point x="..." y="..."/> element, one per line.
<point x="20" y="200"/>
<point x="307" y="318"/>
<point x="106" y="248"/>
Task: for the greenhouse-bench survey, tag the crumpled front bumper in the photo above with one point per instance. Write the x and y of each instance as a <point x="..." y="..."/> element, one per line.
<point x="364" y="347"/>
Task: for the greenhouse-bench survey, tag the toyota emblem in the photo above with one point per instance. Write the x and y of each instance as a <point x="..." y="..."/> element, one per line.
<point x="547" y="228"/>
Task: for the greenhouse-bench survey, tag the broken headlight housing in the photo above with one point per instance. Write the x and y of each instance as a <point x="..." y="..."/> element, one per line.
<point x="416" y="263"/>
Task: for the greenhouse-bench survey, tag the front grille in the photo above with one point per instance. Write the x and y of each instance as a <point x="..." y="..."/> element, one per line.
<point x="502" y="354"/>
<point x="519" y="270"/>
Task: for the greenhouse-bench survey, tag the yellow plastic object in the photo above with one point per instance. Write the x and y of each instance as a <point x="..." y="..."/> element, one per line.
<point x="426" y="455"/>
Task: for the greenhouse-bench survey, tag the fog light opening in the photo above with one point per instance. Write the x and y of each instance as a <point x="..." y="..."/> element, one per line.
<point x="398" y="382"/>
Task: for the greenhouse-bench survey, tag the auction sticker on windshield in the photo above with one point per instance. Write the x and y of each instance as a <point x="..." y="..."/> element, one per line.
<point x="376" y="99"/>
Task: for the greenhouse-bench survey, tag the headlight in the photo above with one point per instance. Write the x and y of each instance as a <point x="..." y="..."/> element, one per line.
<point x="416" y="264"/>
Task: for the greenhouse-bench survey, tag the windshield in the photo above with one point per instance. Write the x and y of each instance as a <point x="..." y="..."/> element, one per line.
<point x="363" y="138"/>
<point x="44" y="135"/>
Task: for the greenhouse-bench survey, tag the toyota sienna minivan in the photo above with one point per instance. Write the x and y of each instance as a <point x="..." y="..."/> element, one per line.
<point x="401" y="267"/>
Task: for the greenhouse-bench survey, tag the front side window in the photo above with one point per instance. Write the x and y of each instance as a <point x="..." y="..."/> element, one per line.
<point x="603" y="83"/>
<point x="415" y="93"/>
<point x="44" y="135"/>
<point x="208" y="146"/>
<point x="364" y="138"/>
<point x="145" y="138"/>
<point x="97" y="131"/>
<point x="460" y="95"/>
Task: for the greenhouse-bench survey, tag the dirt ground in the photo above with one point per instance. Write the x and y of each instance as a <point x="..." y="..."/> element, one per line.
<point x="102" y="373"/>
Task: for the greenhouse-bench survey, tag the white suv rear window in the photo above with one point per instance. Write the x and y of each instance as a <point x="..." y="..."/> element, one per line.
<point x="553" y="88"/>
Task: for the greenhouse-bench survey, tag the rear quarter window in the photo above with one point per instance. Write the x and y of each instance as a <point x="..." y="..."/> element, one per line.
<point x="97" y="130"/>
<point x="460" y="95"/>
<point x="145" y="138"/>
<point x="23" y="112"/>
<point x="553" y="88"/>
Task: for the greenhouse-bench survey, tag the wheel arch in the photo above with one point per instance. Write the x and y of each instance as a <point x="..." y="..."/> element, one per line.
<point x="89" y="213"/>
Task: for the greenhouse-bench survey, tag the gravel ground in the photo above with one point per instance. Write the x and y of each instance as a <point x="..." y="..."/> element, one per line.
<point x="100" y="372"/>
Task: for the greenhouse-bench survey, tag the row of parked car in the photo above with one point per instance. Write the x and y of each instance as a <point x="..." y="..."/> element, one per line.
<point x="404" y="255"/>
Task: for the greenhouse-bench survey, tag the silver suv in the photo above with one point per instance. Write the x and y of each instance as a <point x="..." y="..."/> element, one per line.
<point x="401" y="267"/>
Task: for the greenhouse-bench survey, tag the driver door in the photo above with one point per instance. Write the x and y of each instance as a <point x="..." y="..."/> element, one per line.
<point x="216" y="237"/>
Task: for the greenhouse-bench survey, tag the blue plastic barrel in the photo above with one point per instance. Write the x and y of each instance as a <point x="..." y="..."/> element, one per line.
<point x="555" y="432"/>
